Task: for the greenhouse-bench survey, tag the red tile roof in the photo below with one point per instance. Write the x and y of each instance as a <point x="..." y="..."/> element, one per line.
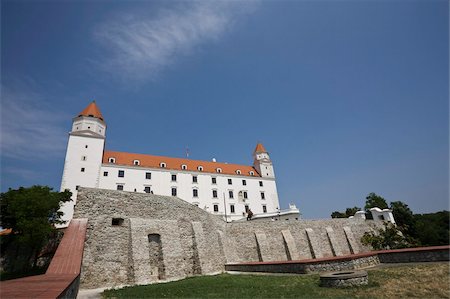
<point x="122" y="158"/>
<point x="92" y="110"/>
<point x="260" y="148"/>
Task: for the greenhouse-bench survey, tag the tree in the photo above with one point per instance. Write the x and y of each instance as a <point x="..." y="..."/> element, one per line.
<point x="403" y="216"/>
<point x="387" y="237"/>
<point x="337" y="214"/>
<point x="31" y="214"/>
<point x="375" y="201"/>
<point x="348" y="212"/>
<point x="432" y="229"/>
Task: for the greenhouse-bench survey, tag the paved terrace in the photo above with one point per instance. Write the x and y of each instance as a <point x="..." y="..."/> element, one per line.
<point x="62" y="276"/>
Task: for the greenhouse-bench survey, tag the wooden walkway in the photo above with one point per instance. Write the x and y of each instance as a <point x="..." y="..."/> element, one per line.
<point x="62" y="274"/>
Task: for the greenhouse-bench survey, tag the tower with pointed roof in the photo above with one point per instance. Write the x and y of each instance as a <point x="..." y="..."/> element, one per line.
<point x="84" y="154"/>
<point x="262" y="162"/>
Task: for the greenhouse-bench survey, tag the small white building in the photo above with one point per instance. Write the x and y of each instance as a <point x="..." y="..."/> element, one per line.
<point x="224" y="189"/>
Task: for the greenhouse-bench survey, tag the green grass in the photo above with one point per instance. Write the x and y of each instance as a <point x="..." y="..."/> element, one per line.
<point x="419" y="281"/>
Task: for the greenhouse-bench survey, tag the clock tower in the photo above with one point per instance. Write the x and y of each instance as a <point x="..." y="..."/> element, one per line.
<point x="262" y="162"/>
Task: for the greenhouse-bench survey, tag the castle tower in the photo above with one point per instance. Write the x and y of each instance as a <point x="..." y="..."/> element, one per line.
<point x="262" y="162"/>
<point x="84" y="154"/>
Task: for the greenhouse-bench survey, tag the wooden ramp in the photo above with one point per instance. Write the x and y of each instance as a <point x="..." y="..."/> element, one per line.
<point x="62" y="276"/>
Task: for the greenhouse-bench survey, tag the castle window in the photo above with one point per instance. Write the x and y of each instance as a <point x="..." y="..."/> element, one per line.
<point x="148" y="175"/>
<point x="200" y="168"/>
<point x="112" y="160"/>
<point x="230" y="194"/>
<point x="215" y="193"/>
<point x="82" y="169"/>
<point x="244" y="183"/>
<point x="238" y="171"/>
<point x="147" y="189"/>
<point x="162" y="165"/>
<point x="245" y="194"/>
<point x="77" y="187"/>
<point x="184" y="167"/>
<point x="264" y="209"/>
<point x="86" y="146"/>
<point x="105" y="173"/>
<point x="232" y="209"/>
<point x="251" y="173"/>
<point x="230" y="182"/>
<point x="121" y="173"/>
<point x="174" y="191"/>
<point x="263" y="196"/>
<point x="194" y="179"/>
<point x="260" y="183"/>
<point x="219" y="170"/>
<point x="174" y="177"/>
<point x="83" y="158"/>
<point x="214" y="181"/>
<point x="136" y="162"/>
<point x="117" y="222"/>
<point x="195" y="193"/>
<point x="119" y="187"/>
<point x="216" y="208"/>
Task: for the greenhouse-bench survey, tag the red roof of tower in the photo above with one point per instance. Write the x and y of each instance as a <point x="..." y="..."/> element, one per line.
<point x="92" y="111"/>
<point x="260" y="148"/>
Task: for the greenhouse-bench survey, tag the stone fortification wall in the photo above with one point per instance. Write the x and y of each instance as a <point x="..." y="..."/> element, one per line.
<point x="294" y="240"/>
<point x="135" y="238"/>
<point x="153" y="238"/>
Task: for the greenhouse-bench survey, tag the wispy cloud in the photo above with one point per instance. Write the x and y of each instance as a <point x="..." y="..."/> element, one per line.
<point x="140" y="47"/>
<point x="30" y="128"/>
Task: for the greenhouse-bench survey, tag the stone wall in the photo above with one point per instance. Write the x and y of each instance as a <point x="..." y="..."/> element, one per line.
<point x="135" y="238"/>
<point x="305" y="239"/>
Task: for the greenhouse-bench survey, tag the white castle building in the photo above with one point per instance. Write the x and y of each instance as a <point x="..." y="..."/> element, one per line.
<point x="229" y="190"/>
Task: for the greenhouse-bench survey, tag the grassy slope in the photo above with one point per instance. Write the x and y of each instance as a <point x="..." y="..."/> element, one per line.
<point x="419" y="281"/>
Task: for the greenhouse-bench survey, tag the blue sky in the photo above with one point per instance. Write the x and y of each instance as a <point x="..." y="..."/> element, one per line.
<point x="349" y="97"/>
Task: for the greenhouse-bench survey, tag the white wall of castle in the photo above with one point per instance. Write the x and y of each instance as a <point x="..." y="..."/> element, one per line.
<point x="161" y="183"/>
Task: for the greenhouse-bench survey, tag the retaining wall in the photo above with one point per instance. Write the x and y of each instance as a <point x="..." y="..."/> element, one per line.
<point x="159" y="238"/>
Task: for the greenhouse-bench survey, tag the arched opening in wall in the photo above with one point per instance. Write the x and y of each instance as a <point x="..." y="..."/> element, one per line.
<point x="156" y="259"/>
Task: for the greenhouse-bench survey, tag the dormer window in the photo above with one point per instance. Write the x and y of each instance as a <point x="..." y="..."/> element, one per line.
<point x="136" y="163"/>
<point x="200" y="168"/>
<point x="184" y="167"/>
<point x="162" y="165"/>
<point x="112" y="160"/>
<point x="219" y="170"/>
<point x="238" y="171"/>
<point x="251" y="173"/>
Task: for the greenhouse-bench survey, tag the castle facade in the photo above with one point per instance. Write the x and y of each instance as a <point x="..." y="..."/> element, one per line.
<point x="228" y="190"/>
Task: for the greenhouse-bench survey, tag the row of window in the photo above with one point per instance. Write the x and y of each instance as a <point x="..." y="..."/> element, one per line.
<point x="233" y="210"/>
<point x="243" y="194"/>
<point x="183" y="166"/>
<point x="148" y="176"/>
